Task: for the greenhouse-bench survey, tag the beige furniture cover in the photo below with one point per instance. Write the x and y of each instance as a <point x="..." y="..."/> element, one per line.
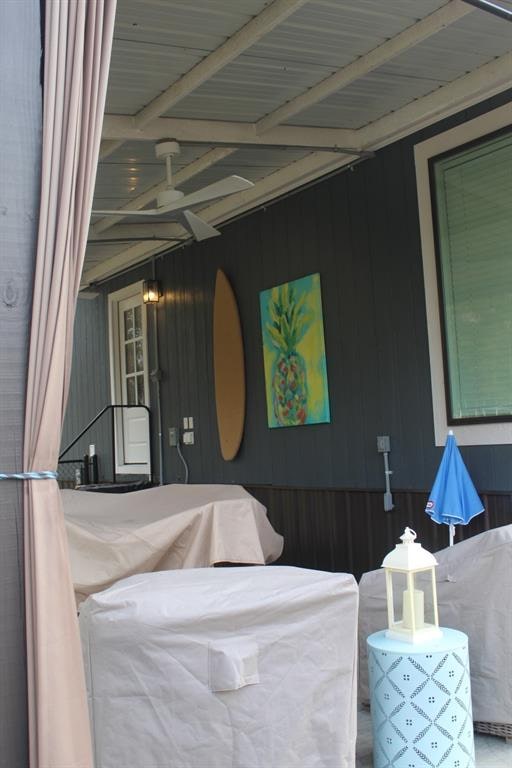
<point x="223" y="668"/>
<point x="474" y="586"/>
<point x="112" y="536"/>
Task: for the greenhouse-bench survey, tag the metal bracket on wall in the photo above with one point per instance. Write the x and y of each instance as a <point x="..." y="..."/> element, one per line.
<point x="384" y="447"/>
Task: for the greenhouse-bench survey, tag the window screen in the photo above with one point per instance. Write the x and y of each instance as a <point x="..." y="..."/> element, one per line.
<point x="473" y="208"/>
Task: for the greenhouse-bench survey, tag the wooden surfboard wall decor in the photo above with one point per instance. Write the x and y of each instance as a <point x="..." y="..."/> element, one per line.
<point x="229" y="368"/>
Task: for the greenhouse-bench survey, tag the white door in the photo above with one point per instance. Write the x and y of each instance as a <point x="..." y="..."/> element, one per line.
<point x="129" y="364"/>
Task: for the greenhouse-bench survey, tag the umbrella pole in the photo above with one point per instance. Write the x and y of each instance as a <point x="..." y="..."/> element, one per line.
<point x="452" y="533"/>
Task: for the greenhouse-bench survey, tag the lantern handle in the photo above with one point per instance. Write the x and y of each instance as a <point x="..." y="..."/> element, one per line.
<point x="408" y="536"/>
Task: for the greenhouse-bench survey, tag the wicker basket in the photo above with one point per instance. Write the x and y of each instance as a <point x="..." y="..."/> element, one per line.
<point x="495" y="729"/>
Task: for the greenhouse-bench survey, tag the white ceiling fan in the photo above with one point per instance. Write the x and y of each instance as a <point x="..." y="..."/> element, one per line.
<point x="173" y="201"/>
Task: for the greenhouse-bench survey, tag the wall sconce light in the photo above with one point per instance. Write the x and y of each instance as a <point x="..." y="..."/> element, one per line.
<point x="151" y="292"/>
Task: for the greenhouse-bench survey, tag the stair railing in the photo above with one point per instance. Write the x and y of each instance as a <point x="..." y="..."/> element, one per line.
<point x="112" y="409"/>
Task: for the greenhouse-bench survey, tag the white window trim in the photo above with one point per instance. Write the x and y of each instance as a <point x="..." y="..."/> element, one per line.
<point x="497" y="433"/>
<point x="115" y="368"/>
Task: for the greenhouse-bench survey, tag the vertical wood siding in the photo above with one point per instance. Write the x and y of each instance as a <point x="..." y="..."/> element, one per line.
<point x="348" y="531"/>
<point x="89" y="387"/>
<point x="360" y="231"/>
<point x="20" y="126"/>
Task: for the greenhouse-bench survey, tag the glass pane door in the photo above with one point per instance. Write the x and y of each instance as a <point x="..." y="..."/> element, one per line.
<point x="133" y="373"/>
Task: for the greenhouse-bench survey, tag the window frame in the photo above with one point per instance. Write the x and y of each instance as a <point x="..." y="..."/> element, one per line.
<point x="494" y="430"/>
<point x="451" y="420"/>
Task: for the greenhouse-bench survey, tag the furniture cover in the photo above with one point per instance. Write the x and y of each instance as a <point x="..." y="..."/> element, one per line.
<point x="210" y="668"/>
<point x="474" y="590"/>
<point x="112" y="536"/>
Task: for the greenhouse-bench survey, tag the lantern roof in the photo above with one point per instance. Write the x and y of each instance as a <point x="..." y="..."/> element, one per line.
<point x="409" y="556"/>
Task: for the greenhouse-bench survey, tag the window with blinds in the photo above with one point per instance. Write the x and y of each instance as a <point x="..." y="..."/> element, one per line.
<point x="472" y="205"/>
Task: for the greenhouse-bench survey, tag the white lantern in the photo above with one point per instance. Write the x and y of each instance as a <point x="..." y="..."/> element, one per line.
<point x="411" y="559"/>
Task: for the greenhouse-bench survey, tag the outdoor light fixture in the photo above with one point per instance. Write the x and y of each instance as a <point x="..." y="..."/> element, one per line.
<point x="410" y="559"/>
<point x="151" y="292"/>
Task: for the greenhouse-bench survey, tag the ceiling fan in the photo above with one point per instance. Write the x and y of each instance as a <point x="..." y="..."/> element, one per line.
<point x="173" y="201"/>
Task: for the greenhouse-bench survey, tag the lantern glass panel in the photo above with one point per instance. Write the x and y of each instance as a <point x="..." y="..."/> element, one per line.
<point x="399" y="581"/>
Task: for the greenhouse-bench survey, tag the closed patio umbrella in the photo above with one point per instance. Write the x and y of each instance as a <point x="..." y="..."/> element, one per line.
<point x="453" y="499"/>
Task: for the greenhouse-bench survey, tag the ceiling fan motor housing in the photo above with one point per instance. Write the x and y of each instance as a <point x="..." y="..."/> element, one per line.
<point x="167" y="148"/>
<point x="168" y="196"/>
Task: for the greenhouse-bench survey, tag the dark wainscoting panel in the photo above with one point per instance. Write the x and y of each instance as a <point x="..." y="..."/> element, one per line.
<point x="348" y="530"/>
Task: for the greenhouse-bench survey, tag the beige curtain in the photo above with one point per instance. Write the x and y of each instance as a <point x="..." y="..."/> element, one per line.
<point x="78" y="40"/>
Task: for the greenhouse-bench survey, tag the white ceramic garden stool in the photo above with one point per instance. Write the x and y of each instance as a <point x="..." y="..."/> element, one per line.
<point x="421" y="702"/>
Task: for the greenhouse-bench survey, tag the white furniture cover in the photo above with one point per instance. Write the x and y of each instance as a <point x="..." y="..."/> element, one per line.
<point x="112" y="536"/>
<point x="474" y="590"/>
<point x="223" y="668"/>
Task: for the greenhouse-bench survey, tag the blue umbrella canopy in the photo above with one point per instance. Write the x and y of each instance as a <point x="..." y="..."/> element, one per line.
<point x="453" y="499"/>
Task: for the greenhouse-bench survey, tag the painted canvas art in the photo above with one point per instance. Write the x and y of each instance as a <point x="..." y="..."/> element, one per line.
<point x="294" y="353"/>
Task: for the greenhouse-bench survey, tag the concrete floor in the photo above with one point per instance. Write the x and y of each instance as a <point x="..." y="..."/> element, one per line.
<point x="491" y="751"/>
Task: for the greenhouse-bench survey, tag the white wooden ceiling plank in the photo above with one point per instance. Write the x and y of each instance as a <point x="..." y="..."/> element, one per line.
<point x="198" y="24"/>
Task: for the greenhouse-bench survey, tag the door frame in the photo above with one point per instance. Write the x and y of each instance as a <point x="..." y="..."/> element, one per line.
<point x="114" y="338"/>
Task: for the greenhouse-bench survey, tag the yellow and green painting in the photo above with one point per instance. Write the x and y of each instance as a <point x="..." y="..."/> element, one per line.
<point x="294" y="353"/>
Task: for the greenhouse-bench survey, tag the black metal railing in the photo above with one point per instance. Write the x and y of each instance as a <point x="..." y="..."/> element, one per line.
<point x="85" y="470"/>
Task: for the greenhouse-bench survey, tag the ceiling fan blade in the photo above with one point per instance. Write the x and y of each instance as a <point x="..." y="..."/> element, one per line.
<point x="197" y="227"/>
<point x="222" y="188"/>
<point x="125" y="212"/>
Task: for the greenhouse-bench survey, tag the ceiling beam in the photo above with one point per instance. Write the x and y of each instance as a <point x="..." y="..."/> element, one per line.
<point x="146" y="125"/>
<point x="211" y="132"/>
<point x="118" y="127"/>
<point x="192" y="169"/>
<point x="148" y="229"/>
<point x="357" y="69"/>
<point x="107" y="148"/>
<point x="484" y="82"/>
<point x="149" y="126"/>
<point x="284" y="180"/>
<point x="130" y="257"/>
<point x="234" y="46"/>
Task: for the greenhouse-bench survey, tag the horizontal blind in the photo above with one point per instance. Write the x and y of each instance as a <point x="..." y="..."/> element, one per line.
<point x="473" y="190"/>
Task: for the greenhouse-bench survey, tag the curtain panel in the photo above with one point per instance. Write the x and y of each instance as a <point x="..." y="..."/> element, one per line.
<point x="77" y="47"/>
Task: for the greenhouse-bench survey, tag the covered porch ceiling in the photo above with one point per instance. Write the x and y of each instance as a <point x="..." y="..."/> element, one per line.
<point x="275" y="92"/>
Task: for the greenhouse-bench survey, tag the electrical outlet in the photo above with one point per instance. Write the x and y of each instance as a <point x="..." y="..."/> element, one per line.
<point x="383" y="444"/>
<point x="188" y="438"/>
<point x="174" y="436"/>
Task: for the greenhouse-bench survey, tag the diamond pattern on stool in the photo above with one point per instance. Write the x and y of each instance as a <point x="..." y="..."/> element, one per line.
<point x="421" y="710"/>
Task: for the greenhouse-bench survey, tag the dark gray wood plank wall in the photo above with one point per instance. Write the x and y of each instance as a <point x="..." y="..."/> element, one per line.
<point x="89" y="388"/>
<point x="346" y="530"/>
<point x="20" y="129"/>
<point x="360" y="231"/>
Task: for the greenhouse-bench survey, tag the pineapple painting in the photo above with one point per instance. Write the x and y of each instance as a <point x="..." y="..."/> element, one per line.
<point x="294" y="353"/>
